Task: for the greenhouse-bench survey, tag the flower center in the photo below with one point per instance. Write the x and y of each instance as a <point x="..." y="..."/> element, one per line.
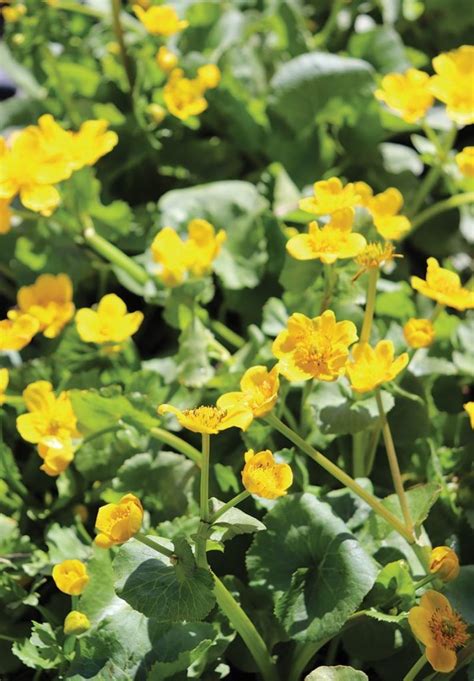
<point x="209" y="416"/>
<point x="448" y="629"/>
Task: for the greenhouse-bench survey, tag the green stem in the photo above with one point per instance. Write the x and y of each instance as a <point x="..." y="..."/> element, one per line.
<point x="329" y="280"/>
<point x="417" y="667"/>
<point x="369" y="306"/>
<point x="289" y="417"/>
<point x="246" y="630"/>
<point x="227" y="334"/>
<point x="232" y="502"/>
<point x="322" y="37"/>
<point x="98" y="433"/>
<point x="204" y="496"/>
<point x="177" y="443"/>
<point x="426" y="580"/>
<point x="14" y="400"/>
<point x="24" y="214"/>
<point x="374" y="440"/>
<point x="154" y="545"/>
<point x="358" y="449"/>
<point x="112" y="253"/>
<point x="119" y="35"/>
<point x="340" y="475"/>
<point x="441" y="207"/>
<point x="393" y="463"/>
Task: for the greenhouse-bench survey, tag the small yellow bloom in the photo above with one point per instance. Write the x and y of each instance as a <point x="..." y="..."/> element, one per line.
<point x="259" y="391"/>
<point x="11" y="14"/>
<point x="184" y="97"/>
<point x="264" y="477"/>
<point x="210" y="420"/>
<point x="209" y="76"/>
<point x="469" y="408"/>
<point x="156" y="112"/>
<point x="71" y="577"/>
<point x="49" y="300"/>
<point x="76" y="623"/>
<point x="443" y="286"/>
<point x="160" y="19"/>
<point x="465" y="161"/>
<point x="92" y="141"/>
<point x="370" y="367"/>
<point x="439" y="628"/>
<point x="419" y="333"/>
<point x="16" y="333"/>
<point x="49" y="416"/>
<point x="57" y="455"/>
<point x="452" y="83"/>
<point x="110" y="323"/>
<point x="5" y="216"/>
<point x="375" y="256"/>
<point x="335" y="240"/>
<point x="384" y="208"/>
<point x="329" y="197"/>
<point x="408" y="94"/>
<point x="170" y="252"/>
<point x="117" y="523"/>
<point x="4" y="378"/>
<point x="445" y="563"/>
<point x="314" y="348"/>
<point x="166" y="59"/>
<point x="203" y="246"/>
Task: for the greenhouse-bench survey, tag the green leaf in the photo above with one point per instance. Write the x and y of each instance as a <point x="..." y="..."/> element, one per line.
<point x="233" y="522"/>
<point x="382" y="47"/>
<point x="339" y="673"/>
<point x="312" y="565"/>
<point x="420" y="500"/>
<point x="194" y="368"/>
<point x="42" y="650"/>
<point x="179" y="647"/>
<point x="63" y="543"/>
<point x="181" y="592"/>
<point x="99" y="410"/>
<point x="394" y="586"/>
<point x="79" y="79"/>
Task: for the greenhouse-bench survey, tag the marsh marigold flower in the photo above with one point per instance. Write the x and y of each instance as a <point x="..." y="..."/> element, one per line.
<point x="16" y="333"/>
<point x="76" y="623"/>
<point x="419" y="333"/>
<point x="465" y="161"/>
<point x="117" y="523"/>
<point x="329" y="243"/>
<point x="452" y="83"/>
<point x="259" y="391"/>
<point x="264" y="477"/>
<point x="4" y="377"/>
<point x="443" y="286"/>
<point x="469" y="409"/>
<point x="71" y="577"/>
<point x="203" y="246"/>
<point x="110" y="323"/>
<point x="209" y="76"/>
<point x="329" y="197"/>
<point x="371" y="367"/>
<point x="209" y="419"/>
<point x="384" y="208"/>
<point x="56" y="454"/>
<point x="184" y="97"/>
<point x="314" y="348"/>
<point x="439" y="628"/>
<point x="445" y="563"/>
<point x="49" y="416"/>
<point x="49" y="300"/>
<point x="408" y="94"/>
<point x="160" y="19"/>
<point x="375" y="256"/>
<point x="5" y="216"/>
<point x="166" y="59"/>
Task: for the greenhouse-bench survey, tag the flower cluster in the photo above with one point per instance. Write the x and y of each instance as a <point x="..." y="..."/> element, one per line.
<point x="184" y="97"/>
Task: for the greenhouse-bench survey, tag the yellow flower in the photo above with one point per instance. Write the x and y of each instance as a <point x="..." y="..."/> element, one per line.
<point x="452" y="83"/>
<point x="445" y="563"/>
<point x="166" y="59"/>
<point x="335" y="240"/>
<point x="5" y="216"/>
<point x="443" y="286"/>
<point x="16" y="333"/>
<point x="117" y="523"/>
<point x="57" y="455"/>
<point x="160" y="19"/>
<point x="49" y="300"/>
<point x="209" y="76"/>
<point x="375" y="256"/>
<point x="408" y="94"/>
<point x="170" y="252"/>
<point x="439" y="628"/>
<point x="71" y="577"/>
<point x="92" y="141"/>
<point x="4" y="378"/>
<point x="49" y="416"/>
<point x="184" y="96"/>
<point x="110" y="323"/>
<point x="14" y="13"/>
<point x="330" y="196"/>
<point x="264" y="477"/>
<point x="365" y="193"/>
<point x="259" y="391"/>
<point x="419" y="333"/>
<point x="210" y="420"/>
<point x="76" y="623"/>
<point x="465" y="161"/>
<point x="203" y="246"/>
<point x="384" y="208"/>
<point x="371" y="367"/>
<point x="314" y="348"/>
<point x="469" y="408"/>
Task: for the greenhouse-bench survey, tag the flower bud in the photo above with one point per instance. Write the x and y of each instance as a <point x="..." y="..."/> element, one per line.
<point x="71" y="577"/>
<point x="419" y="333"/>
<point x="76" y="623"/>
<point x="445" y="563"/>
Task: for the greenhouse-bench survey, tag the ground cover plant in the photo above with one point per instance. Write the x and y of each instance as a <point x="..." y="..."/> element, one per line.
<point x="237" y="341"/>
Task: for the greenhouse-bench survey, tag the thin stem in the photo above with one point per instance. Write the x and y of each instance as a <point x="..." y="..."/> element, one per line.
<point x="340" y="475"/>
<point x="369" y="306"/>
<point x="417" y="667"/>
<point x="325" y="33"/>
<point x="426" y="580"/>
<point x="14" y="400"/>
<point x="154" y="545"/>
<point x="119" y="35"/>
<point x="289" y="417"/>
<point x="441" y="207"/>
<point x="204" y="496"/>
<point x="232" y="502"/>
<point x="329" y="279"/>
<point x="393" y="463"/>
<point x="227" y="334"/>
<point x="177" y="443"/>
<point x="358" y="449"/>
<point x="246" y="630"/>
<point x="373" y="442"/>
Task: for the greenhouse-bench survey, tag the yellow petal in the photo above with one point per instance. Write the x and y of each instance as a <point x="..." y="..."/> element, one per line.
<point x="441" y="659"/>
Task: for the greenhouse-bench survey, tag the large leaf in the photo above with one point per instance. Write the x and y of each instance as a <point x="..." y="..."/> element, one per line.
<point x="338" y="673"/>
<point x="314" y="567"/>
